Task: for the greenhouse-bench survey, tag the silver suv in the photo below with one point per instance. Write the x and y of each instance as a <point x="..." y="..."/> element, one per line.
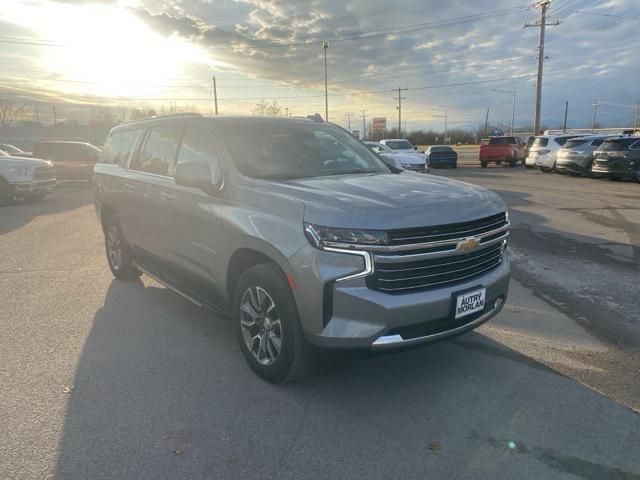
<point x="300" y="234"/>
<point x="24" y="177"/>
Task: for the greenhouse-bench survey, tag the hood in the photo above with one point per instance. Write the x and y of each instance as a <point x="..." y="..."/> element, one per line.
<point x="389" y="201"/>
<point x="22" y="162"/>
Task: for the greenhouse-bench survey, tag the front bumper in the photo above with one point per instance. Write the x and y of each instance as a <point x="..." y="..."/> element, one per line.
<point x="348" y="314"/>
<point x="34" y="186"/>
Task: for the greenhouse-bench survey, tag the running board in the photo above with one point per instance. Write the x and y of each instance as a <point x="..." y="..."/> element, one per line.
<point x="183" y="290"/>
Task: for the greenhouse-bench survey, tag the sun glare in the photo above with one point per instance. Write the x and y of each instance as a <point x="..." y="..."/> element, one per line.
<point x="107" y="47"/>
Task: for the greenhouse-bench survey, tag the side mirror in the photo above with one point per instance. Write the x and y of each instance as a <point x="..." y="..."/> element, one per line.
<point x="198" y="175"/>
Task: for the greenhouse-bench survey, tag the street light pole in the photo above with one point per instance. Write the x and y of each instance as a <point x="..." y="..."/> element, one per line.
<point x="325" y="45"/>
<point x="446" y="120"/>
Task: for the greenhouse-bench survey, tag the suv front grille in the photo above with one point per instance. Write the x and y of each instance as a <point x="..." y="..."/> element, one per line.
<point x="447" y="232"/>
<point x="434" y="257"/>
<point x="43" y="172"/>
<point x="406" y="277"/>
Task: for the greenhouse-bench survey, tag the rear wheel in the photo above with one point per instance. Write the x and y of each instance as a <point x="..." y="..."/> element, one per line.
<point x="514" y="160"/>
<point x="268" y="326"/>
<point x="483" y="164"/>
<point x="119" y="254"/>
<point x="6" y="192"/>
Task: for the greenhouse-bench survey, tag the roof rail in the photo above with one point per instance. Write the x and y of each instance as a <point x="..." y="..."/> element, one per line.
<point x="169" y="115"/>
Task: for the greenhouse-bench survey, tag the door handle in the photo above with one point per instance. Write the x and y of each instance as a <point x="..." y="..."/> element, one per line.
<point x="169" y="197"/>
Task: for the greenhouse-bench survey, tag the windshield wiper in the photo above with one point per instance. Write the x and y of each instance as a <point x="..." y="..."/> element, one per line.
<point x="280" y="176"/>
<point x="357" y="170"/>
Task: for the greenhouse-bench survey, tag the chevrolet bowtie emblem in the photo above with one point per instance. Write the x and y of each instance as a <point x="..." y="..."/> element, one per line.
<point x="469" y="244"/>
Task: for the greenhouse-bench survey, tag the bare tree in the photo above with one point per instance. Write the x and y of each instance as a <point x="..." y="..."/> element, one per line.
<point x="274" y="110"/>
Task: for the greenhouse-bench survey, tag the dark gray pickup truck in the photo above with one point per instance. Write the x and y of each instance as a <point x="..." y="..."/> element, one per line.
<point x="300" y="234"/>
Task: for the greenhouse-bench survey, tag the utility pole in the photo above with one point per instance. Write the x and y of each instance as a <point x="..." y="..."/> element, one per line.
<point x="542" y="23"/>
<point x="349" y="115"/>
<point x="364" y="131"/>
<point x="215" y="94"/>
<point x="400" y="98"/>
<point x="325" y="45"/>
<point x="593" y="117"/>
<point x="486" y="123"/>
<point x="286" y="111"/>
<point x="566" y="111"/>
<point x="635" y="118"/>
<point x="38" y="116"/>
<point x="55" y="119"/>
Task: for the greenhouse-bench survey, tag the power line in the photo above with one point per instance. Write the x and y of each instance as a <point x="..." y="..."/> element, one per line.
<point x="626" y="17"/>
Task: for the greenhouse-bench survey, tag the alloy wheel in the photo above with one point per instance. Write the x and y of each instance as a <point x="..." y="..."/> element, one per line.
<point x="114" y="248"/>
<point x="261" y="325"/>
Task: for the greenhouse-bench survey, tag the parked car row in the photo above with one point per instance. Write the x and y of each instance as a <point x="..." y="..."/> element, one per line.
<point x="614" y="156"/>
<point x="400" y="153"/>
<point x="33" y="175"/>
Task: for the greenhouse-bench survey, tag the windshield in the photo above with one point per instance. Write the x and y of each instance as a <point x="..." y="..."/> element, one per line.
<point x="10" y="149"/>
<point x="501" y="141"/>
<point x="617" y="144"/>
<point x="399" y="144"/>
<point x="3" y="153"/>
<point x="540" y="142"/>
<point x="286" y="150"/>
<point x="378" y="148"/>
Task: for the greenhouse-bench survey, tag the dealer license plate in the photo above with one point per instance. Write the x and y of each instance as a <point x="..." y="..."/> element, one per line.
<point x="470" y="302"/>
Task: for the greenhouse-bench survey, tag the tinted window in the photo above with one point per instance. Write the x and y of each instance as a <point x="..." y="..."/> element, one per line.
<point x="574" y="143"/>
<point x="265" y="149"/>
<point x="440" y="149"/>
<point x="196" y="146"/>
<point x="540" y="142"/>
<point x="501" y="141"/>
<point x="119" y="147"/>
<point x="399" y="145"/>
<point x="617" y="144"/>
<point x="159" y="152"/>
<point x="562" y="140"/>
<point x="635" y="146"/>
<point x="597" y="143"/>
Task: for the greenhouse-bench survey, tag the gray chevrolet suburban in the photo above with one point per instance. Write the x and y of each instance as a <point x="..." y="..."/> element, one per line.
<point x="300" y="234"/>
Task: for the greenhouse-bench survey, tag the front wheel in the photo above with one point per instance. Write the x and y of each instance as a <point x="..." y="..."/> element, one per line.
<point x="268" y="326"/>
<point x="513" y="161"/>
<point x="119" y="255"/>
<point x="483" y="164"/>
<point x="638" y="175"/>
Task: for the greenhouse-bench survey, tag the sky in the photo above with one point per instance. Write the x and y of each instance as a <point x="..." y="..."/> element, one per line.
<point x="451" y="56"/>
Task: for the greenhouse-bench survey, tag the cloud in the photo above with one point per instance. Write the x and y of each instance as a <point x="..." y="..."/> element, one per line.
<point x="278" y="42"/>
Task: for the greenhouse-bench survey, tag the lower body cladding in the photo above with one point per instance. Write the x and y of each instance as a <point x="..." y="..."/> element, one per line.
<point x="351" y="314"/>
<point x="616" y="170"/>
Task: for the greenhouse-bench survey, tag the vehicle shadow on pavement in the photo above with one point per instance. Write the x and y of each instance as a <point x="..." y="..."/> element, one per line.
<point x="22" y="211"/>
<point x="162" y="391"/>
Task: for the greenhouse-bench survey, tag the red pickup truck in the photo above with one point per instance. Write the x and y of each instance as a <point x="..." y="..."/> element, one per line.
<point x="510" y="150"/>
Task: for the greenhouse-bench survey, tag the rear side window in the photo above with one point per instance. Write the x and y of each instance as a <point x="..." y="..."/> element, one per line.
<point x="617" y="144"/>
<point x="196" y="146"/>
<point x="159" y="152"/>
<point x="574" y="143"/>
<point x="562" y="140"/>
<point x="120" y="147"/>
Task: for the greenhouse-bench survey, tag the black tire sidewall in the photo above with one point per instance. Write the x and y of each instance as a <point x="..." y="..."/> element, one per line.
<point x="272" y="280"/>
<point x="127" y="270"/>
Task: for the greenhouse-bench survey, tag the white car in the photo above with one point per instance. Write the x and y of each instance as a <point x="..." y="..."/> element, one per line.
<point x="544" y="149"/>
<point x="406" y="161"/>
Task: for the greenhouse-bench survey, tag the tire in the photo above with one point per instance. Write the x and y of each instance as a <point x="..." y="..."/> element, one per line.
<point x="6" y="192"/>
<point x="455" y="165"/>
<point x="637" y="175"/>
<point x="119" y="254"/>
<point x="266" y="314"/>
<point x="615" y="178"/>
<point x="545" y="169"/>
<point x="514" y="160"/>
<point x="483" y="164"/>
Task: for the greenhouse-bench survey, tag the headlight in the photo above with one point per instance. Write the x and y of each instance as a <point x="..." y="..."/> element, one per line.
<point x="320" y="236"/>
<point x="19" y="170"/>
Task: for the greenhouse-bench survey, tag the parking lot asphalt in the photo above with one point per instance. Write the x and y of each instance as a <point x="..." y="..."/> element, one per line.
<point x="127" y="380"/>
